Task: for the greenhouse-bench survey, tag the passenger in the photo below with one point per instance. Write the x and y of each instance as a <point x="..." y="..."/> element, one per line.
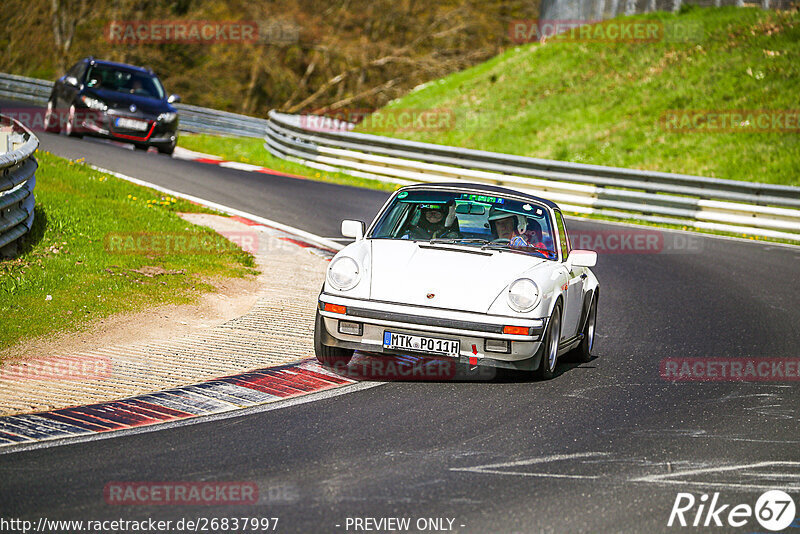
<point x="520" y="232"/>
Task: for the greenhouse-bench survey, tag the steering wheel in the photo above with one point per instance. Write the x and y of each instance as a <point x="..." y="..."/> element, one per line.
<point x="450" y="234"/>
<point x="502" y="241"/>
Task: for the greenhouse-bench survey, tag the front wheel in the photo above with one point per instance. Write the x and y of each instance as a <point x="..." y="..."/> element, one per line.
<point x="583" y="352"/>
<point x="335" y="357"/>
<point x="547" y="366"/>
<point x="166" y="149"/>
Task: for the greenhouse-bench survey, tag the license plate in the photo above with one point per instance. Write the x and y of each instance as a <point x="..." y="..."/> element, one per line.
<point x="130" y="124"/>
<point x="430" y="345"/>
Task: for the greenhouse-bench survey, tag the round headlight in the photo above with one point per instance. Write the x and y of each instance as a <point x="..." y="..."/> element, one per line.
<point x="523" y="295"/>
<point x="343" y="273"/>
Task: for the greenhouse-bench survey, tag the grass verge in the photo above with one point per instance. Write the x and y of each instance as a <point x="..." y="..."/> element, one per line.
<point x="71" y="272"/>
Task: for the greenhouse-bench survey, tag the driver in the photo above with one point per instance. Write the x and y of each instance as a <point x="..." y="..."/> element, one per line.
<point x="436" y="220"/>
<point x="136" y="87"/>
<point x="520" y="231"/>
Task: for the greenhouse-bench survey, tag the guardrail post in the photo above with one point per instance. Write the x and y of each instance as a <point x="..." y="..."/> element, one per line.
<point x="5" y="139"/>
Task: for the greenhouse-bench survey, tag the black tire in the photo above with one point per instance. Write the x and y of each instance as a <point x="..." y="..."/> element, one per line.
<point x="51" y="125"/>
<point x="547" y="366"/>
<point x="138" y="146"/>
<point x="583" y="352"/>
<point x="334" y="357"/>
<point x="168" y="149"/>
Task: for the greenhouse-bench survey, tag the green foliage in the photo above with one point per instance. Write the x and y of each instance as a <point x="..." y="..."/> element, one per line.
<point x="604" y="103"/>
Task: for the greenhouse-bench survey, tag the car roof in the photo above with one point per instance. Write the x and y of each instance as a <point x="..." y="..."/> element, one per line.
<point x="118" y="65"/>
<point x="485" y="188"/>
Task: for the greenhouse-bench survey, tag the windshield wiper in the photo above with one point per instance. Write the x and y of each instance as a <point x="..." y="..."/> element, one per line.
<point x="454" y="240"/>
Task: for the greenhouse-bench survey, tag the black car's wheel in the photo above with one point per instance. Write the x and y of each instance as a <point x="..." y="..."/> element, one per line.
<point x="583" y="352"/>
<point x="140" y="147"/>
<point x="549" y="348"/>
<point x="71" y="128"/>
<point x="51" y="122"/>
<point x="166" y="149"/>
<point x="334" y="357"/>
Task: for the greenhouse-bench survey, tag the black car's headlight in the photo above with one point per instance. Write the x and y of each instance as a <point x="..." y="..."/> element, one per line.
<point x="343" y="273"/>
<point x="93" y="103"/>
<point x="170" y="116"/>
<point x="523" y="295"/>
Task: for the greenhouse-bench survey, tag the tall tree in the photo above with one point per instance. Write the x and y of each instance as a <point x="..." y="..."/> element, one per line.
<point x="65" y="15"/>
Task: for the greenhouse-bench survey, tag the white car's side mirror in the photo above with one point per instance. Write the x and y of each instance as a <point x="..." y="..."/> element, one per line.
<point x="354" y="229"/>
<point x="583" y="258"/>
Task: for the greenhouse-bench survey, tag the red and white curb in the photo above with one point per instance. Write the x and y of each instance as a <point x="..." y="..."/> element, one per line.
<point x="226" y="394"/>
<point x="199" y="157"/>
<point x="235" y="393"/>
<point x="291" y="234"/>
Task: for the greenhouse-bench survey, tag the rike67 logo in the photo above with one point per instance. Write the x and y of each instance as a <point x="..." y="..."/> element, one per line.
<point x="774" y="510"/>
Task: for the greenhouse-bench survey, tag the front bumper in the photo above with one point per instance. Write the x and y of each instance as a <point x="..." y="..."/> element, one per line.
<point x="101" y="124"/>
<point x="472" y="330"/>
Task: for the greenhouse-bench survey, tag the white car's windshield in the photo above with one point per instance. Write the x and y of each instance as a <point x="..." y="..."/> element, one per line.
<point x="487" y="221"/>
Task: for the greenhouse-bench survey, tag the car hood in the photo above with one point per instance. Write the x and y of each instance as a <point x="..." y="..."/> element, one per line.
<point x="457" y="277"/>
<point x="119" y="100"/>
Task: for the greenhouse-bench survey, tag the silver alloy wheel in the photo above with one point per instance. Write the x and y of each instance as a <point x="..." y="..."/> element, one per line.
<point x="590" y="322"/>
<point x="552" y="342"/>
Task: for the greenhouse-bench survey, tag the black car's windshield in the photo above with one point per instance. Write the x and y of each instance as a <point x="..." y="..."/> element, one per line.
<point x="492" y="222"/>
<point x="124" y="81"/>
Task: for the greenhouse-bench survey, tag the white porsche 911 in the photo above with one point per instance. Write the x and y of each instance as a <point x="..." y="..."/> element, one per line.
<point x="479" y="273"/>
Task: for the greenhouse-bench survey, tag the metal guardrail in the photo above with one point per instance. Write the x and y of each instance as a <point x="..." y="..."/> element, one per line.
<point x="17" y="180"/>
<point x="706" y="203"/>
<point x="193" y="119"/>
